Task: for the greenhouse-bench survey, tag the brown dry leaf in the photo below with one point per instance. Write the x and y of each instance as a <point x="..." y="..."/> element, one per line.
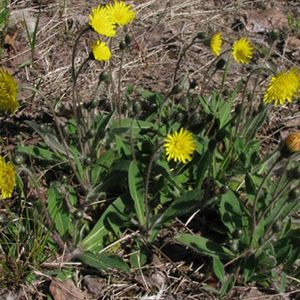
<point x="292" y="44"/>
<point x="295" y="122"/>
<point x="10" y="40"/>
<point x="66" y="290"/>
<point x="265" y="20"/>
<point x="96" y="286"/>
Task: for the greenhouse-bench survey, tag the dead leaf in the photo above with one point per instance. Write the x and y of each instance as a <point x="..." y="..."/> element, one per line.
<point x="261" y="21"/>
<point x="95" y="286"/>
<point x="10" y="40"/>
<point x="66" y="290"/>
<point x="292" y="43"/>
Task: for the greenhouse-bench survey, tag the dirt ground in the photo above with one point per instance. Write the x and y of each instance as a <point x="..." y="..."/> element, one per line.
<point x="160" y="31"/>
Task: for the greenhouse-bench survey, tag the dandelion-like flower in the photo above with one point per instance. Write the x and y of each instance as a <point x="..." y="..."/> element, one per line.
<point x="100" y="51"/>
<point x="120" y="13"/>
<point x="216" y="44"/>
<point x="293" y="142"/>
<point x="180" y="146"/>
<point x="283" y="87"/>
<point x="7" y="179"/>
<point x="242" y="51"/>
<point x="102" y="22"/>
<point x="8" y="92"/>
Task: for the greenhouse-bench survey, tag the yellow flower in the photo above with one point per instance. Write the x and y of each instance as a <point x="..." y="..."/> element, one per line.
<point x="283" y="87"/>
<point x="100" y="51"/>
<point x="242" y="51"/>
<point x="216" y="44"/>
<point x="8" y="92"/>
<point x="120" y="13"/>
<point x="102" y="22"/>
<point x="7" y="179"/>
<point x="293" y="142"/>
<point x="180" y="146"/>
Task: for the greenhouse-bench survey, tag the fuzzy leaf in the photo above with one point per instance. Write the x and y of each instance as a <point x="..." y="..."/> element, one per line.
<point x="136" y="186"/>
<point x="204" y="246"/>
<point x="104" y="261"/>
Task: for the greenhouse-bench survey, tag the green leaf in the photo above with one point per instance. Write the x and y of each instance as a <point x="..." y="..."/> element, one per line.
<point x="139" y="255"/>
<point x="283" y="282"/>
<point x="136" y="186"/>
<point x="255" y="123"/>
<point x="76" y="157"/>
<point x="58" y="210"/>
<point x="231" y="212"/>
<point x="249" y="267"/>
<point x="203" y="165"/>
<point x="204" y="246"/>
<point x="121" y="146"/>
<point x="115" y="215"/>
<point x="227" y="285"/>
<point x="258" y="234"/>
<point x="49" y="138"/>
<point x="104" y="261"/>
<point x="102" y="123"/>
<point x="101" y="165"/>
<point x="40" y="153"/>
<point x="250" y="185"/>
<point x="182" y="205"/>
<point x="118" y="171"/>
<point x="218" y="268"/>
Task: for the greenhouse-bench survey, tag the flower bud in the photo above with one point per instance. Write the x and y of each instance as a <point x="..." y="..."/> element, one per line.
<point x="201" y="35"/>
<point x="294" y="194"/>
<point x="220" y="64"/>
<point x="128" y="39"/>
<point x="294" y="173"/>
<point x="293" y="142"/>
<point x="212" y="144"/>
<point x="177" y="88"/>
<point x="78" y="214"/>
<point x="122" y="45"/>
<point x="193" y="84"/>
<point x="221" y="135"/>
<point x="104" y="76"/>
<point x="19" y="159"/>
<point x="224" y="189"/>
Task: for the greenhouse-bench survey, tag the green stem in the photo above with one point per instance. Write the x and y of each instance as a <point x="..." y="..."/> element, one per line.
<point x="147" y="181"/>
<point x="81" y="33"/>
<point x="62" y="138"/>
<point x="119" y="102"/>
<point x="254" y="221"/>
<point x="180" y="57"/>
<point x="244" y="93"/>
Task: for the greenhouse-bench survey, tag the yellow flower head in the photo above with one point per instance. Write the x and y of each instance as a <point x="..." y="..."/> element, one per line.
<point x="180" y="146"/>
<point x="8" y="92"/>
<point x="102" y="22"/>
<point x="7" y="179"/>
<point x="293" y="142"/>
<point x="120" y="13"/>
<point x="242" y="51"/>
<point x="216" y="44"/>
<point x="100" y="51"/>
<point x="283" y="87"/>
